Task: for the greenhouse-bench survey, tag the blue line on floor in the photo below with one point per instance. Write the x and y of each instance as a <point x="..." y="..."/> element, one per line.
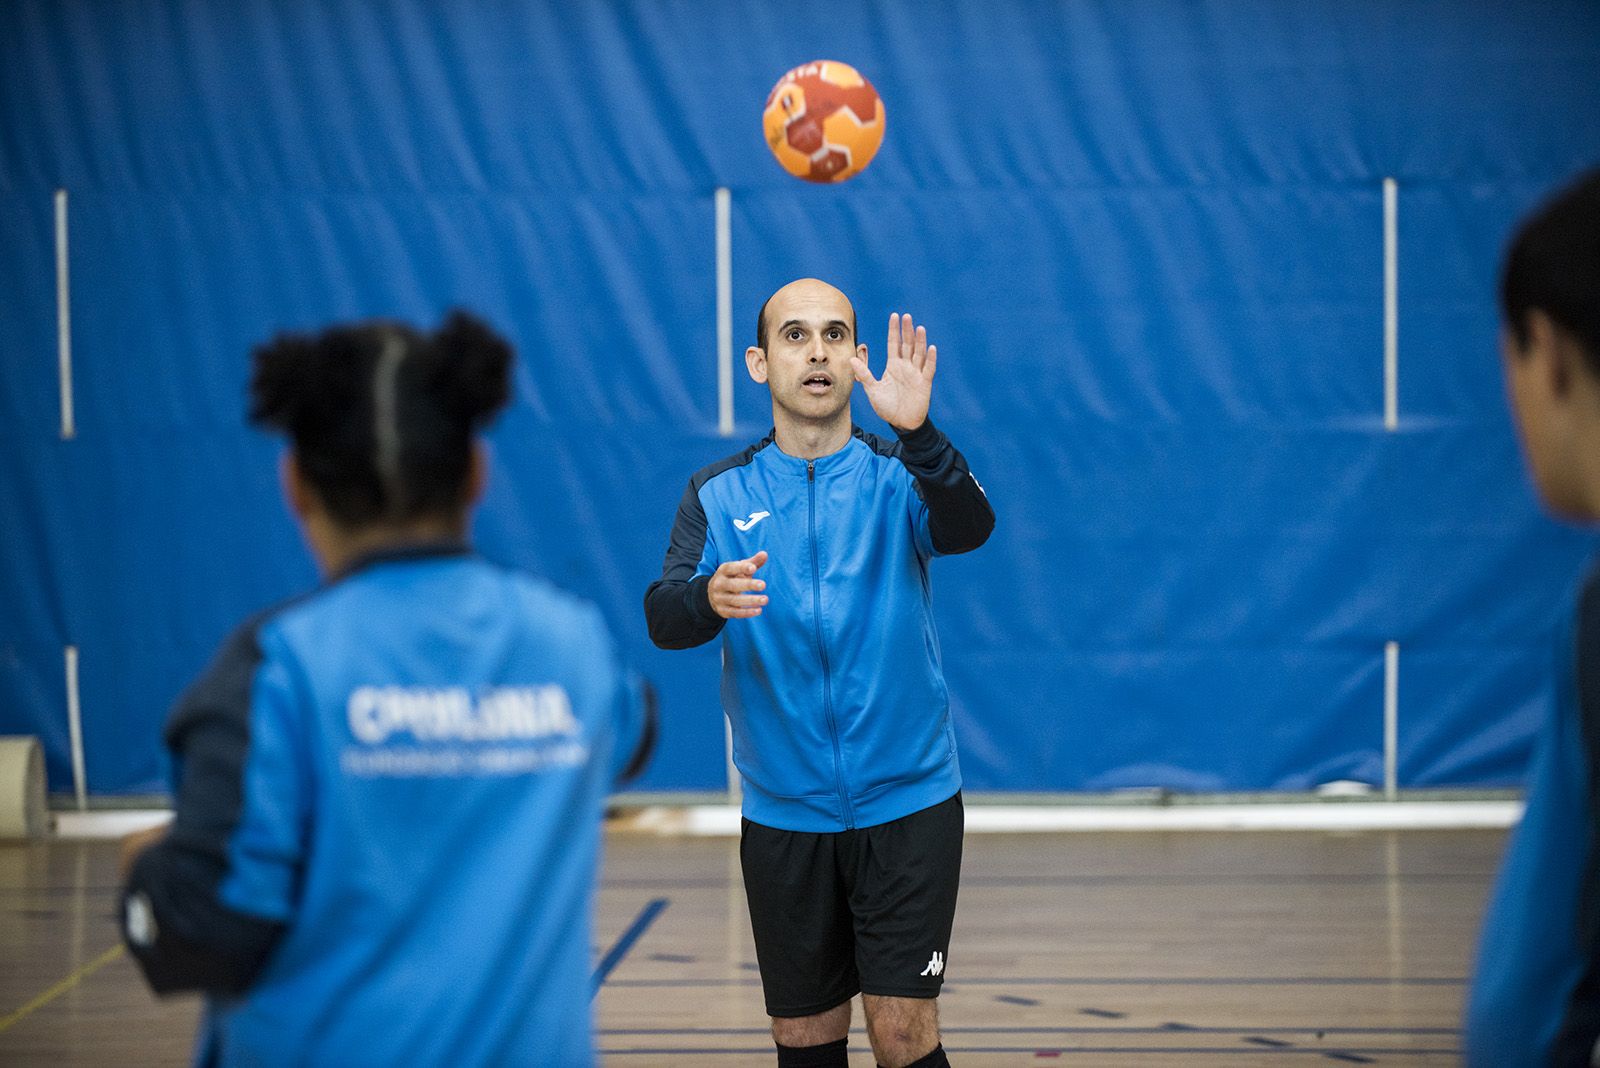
<point x="614" y="955"/>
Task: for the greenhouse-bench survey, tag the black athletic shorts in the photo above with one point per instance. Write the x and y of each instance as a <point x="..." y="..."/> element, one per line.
<point x="867" y="910"/>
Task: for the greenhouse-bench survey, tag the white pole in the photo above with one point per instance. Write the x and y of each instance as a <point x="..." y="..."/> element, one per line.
<point x="1391" y="719"/>
<point x="1391" y="304"/>
<point x="75" y="729"/>
<point x="64" y="319"/>
<point x="724" y="211"/>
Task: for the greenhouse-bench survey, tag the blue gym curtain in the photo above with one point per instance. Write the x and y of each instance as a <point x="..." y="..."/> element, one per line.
<point x="1147" y="238"/>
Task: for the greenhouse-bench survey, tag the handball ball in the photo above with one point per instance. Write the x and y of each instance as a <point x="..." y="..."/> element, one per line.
<point x="823" y="121"/>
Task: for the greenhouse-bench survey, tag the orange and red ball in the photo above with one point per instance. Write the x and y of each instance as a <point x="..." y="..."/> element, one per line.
<point x="823" y="121"/>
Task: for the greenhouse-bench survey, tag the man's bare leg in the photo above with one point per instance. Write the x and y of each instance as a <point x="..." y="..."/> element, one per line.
<point x="799" y="1032"/>
<point x="902" y="1030"/>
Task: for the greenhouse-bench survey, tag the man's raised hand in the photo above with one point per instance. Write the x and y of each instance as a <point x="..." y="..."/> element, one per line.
<point x="901" y="396"/>
<point x="735" y="591"/>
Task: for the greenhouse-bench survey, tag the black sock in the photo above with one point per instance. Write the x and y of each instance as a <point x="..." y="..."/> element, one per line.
<point x="936" y="1059"/>
<point x="827" y="1055"/>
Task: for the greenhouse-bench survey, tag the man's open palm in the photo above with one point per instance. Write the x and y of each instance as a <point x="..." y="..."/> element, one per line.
<point x="901" y="396"/>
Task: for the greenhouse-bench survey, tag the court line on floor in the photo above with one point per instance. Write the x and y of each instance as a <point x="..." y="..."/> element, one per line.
<point x="1197" y="1030"/>
<point x="1265" y="980"/>
<point x="614" y="955"/>
<point x="1360" y="879"/>
<point x="1188" y="1051"/>
<point x="1375" y="878"/>
<point x="7" y="1022"/>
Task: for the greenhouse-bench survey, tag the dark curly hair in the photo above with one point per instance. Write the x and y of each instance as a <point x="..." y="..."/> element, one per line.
<point x="381" y="416"/>
<point x="1553" y="264"/>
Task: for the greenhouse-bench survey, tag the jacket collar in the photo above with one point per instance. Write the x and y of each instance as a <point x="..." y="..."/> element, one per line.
<point x="835" y="463"/>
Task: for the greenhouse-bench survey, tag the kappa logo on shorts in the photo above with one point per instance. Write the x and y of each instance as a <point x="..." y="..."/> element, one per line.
<point x="936" y="965"/>
<point x="755" y="517"/>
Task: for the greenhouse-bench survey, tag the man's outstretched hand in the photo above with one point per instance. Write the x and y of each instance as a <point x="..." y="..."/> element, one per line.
<point x="901" y="396"/>
<point x="735" y="591"/>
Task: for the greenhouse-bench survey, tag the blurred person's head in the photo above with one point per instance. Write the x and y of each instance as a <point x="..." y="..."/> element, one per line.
<point x="1550" y="302"/>
<point x="382" y="422"/>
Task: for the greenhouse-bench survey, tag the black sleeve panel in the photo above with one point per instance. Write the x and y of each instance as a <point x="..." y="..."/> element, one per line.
<point x="677" y="606"/>
<point x="959" y="516"/>
<point x="183" y="938"/>
<point x="1580" y="1027"/>
<point x="647" y="739"/>
<point x="180" y="933"/>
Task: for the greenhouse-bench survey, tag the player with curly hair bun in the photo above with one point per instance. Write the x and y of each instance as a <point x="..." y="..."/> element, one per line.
<point x="388" y="792"/>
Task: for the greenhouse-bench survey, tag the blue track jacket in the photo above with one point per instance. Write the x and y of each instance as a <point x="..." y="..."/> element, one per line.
<point x="835" y="692"/>
<point x="1535" y="996"/>
<point x="387" y="825"/>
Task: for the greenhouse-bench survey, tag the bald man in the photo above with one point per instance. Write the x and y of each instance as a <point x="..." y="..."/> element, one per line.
<point x="809" y="553"/>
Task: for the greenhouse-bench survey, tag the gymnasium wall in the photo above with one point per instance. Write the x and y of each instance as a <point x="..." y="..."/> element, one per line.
<point x="1147" y="237"/>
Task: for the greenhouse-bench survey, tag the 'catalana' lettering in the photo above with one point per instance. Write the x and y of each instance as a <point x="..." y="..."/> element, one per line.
<point x="454" y="714"/>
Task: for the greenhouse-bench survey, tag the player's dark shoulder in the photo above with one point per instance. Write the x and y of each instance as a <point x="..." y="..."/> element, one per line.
<point x="1588" y="617"/>
<point x="888" y="449"/>
<point x="223" y="687"/>
<point x="1586" y="642"/>
<point x="729" y="463"/>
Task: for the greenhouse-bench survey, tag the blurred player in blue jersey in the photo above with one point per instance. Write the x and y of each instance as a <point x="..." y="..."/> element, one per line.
<point x="388" y="792"/>
<point x="1535" y="996"/>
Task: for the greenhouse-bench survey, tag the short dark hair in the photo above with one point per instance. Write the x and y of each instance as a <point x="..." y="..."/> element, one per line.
<point x="1553" y="264"/>
<point x="381" y="416"/>
<point x="761" y="324"/>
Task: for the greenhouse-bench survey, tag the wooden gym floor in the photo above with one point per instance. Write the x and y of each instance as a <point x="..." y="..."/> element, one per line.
<point x="1148" y="949"/>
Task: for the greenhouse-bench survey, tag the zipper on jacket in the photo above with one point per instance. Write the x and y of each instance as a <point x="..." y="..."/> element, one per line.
<point x="822" y="649"/>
